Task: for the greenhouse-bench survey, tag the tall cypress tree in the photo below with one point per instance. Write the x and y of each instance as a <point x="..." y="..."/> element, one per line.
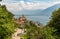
<point x="55" y="19"/>
<point x="55" y="22"/>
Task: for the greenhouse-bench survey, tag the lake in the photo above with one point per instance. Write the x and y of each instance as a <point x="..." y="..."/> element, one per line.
<point x="40" y="19"/>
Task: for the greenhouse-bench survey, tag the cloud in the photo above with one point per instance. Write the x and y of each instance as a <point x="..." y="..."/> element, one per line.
<point x="16" y="5"/>
<point x="27" y="5"/>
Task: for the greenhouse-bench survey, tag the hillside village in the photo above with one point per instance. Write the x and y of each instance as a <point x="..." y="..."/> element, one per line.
<point x="21" y="31"/>
<point x="21" y="20"/>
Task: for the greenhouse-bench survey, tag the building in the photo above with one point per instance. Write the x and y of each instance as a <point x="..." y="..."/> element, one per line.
<point x="20" y="20"/>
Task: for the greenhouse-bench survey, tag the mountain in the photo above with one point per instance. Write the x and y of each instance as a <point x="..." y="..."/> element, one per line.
<point x="39" y="12"/>
<point x="48" y="11"/>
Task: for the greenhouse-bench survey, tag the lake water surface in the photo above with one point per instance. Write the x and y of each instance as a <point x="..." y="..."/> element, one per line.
<point x="41" y="19"/>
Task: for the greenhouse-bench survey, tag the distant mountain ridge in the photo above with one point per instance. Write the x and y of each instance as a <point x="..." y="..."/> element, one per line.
<point x="48" y="11"/>
<point x="39" y="12"/>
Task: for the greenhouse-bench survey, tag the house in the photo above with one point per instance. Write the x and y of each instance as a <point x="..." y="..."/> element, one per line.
<point x="20" y="20"/>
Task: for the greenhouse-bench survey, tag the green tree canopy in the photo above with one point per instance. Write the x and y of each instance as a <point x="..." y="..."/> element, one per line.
<point x="55" y="19"/>
<point x="55" y="22"/>
<point x="7" y="25"/>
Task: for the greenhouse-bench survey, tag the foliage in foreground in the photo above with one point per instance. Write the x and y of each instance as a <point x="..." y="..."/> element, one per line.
<point x="32" y="31"/>
<point x="7" y="25"/>
<point x="55" y="23"/>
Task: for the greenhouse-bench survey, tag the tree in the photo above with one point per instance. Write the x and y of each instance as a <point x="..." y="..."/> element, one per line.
<point x="33" y="31"/>
<point x="7" y="25"/>
<point x="55" y="22"/>
<point x="48" y="32"/>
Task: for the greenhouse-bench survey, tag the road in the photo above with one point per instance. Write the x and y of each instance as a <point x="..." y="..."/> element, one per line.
<point x="18" y="31"/>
